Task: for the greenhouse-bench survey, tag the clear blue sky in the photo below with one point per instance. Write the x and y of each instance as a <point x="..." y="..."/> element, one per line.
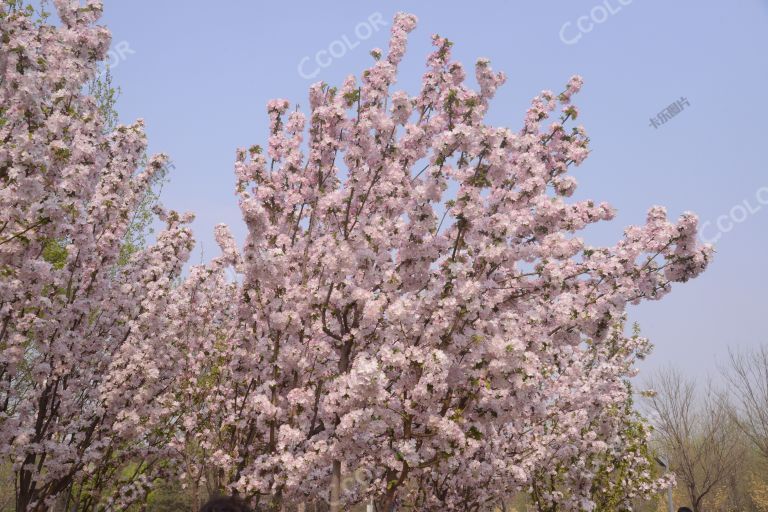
<point x="200" y="74"/>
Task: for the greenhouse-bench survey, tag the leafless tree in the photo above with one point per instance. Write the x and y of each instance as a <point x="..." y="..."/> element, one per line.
<point x="696" y="430"/>
<point x="747" y="374"/>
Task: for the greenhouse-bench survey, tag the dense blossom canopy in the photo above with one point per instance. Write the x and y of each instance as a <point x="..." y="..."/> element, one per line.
<point x="81" y="338"/>
<point x="413" y="319"/>
<point x="414" y="308"/>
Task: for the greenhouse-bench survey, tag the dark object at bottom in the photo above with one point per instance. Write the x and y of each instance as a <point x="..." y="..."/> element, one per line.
<point x="225" y="504"/>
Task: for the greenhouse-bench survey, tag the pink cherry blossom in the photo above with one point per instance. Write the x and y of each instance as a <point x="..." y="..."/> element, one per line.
<point x="457" y="349"/>
<point x="81" y="337"/>
<point x="412" y="304"/>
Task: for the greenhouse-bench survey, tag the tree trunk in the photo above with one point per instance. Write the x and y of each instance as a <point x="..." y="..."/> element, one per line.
<point x="335" y="500"/>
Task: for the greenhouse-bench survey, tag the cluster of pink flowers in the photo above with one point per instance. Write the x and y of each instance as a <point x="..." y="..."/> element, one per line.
<point x="459" y="350"/>
<point x="81" y="352"/>
<point x="412" y="301"/>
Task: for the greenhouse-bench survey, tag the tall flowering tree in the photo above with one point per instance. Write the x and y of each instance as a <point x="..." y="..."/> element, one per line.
<point x="415" y="308"/>
<point x="83" y="350"/>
